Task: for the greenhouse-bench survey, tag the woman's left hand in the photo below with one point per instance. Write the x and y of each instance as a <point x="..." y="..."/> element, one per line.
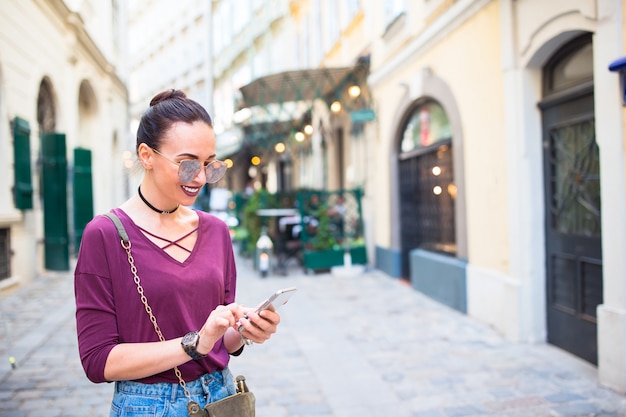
<point x="259" y="327"/>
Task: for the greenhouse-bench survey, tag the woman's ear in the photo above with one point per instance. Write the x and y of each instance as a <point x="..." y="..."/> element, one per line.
<point x="144" y="154"/>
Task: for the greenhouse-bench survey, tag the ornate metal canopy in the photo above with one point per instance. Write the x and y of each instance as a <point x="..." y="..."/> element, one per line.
<point x="300" y="85"/>
<point x="277" y="104"/>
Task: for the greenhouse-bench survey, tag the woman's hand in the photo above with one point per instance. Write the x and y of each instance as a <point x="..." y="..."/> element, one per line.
<point x="216" y="325"/>
<point x="259" y="327"/>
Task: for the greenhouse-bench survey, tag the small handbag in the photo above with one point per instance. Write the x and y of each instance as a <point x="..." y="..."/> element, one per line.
<point x="241" y="404"/>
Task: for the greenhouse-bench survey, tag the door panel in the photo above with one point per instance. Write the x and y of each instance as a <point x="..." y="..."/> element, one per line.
<point x="427" y="202"/>
<point x="83" y="193"/>
<point x="54" y="189"/>
<point x="573" y="224"/>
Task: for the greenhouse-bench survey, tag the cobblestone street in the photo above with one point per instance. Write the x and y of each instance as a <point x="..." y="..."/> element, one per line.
<point x="360" y="346"/>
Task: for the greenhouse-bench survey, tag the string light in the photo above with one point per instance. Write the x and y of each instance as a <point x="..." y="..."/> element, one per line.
<point x="279" y="147"/>
<point x="354" y="91"/>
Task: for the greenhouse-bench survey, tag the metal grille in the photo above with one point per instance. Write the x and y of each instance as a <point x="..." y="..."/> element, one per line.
<point x="5" y="253"/>
<point x="575" y="166"/>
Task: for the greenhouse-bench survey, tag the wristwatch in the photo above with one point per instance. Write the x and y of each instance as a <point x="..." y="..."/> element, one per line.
<point x="190" y="343"/>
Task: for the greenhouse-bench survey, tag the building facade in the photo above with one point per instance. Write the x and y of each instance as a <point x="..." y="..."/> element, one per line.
<point x="169" y="47"/>
<point x="64" y="105"/>
<point x="503" y="130"/>
<point x="489" y="143"/>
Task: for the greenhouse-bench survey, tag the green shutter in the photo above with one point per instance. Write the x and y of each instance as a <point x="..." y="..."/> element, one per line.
<point x="23" y="189"/>
<point x="83" y="193"/>
<point x="54" y="189"/>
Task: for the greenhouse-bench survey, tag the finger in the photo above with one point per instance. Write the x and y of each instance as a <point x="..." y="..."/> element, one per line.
<point x="222" y="313"/>
<point x="260" y="327"/>
<point x="271" y="316"/>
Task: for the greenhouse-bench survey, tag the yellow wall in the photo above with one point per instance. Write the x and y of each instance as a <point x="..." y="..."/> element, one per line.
<point x="468" y="60"/>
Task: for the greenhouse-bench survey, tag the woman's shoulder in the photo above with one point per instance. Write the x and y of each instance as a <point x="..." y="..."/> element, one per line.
<point x="208" y="220"/>
<point x="101" y="224"/>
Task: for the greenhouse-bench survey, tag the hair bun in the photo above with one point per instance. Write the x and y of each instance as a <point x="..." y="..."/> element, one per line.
<point x="167" y="95"/>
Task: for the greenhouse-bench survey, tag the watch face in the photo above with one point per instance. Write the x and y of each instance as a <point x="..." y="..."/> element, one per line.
<point x="190" y="339"/>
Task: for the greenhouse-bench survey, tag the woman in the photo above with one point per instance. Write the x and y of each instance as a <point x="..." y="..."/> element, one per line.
<point x="186" y="266"/>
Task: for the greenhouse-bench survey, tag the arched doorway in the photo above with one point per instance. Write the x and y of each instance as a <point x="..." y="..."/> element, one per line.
<point x="427" y="190"/>
<point x="46" y="107"/>
<point x="53" y="180"/>
<point x="572" y="200"/>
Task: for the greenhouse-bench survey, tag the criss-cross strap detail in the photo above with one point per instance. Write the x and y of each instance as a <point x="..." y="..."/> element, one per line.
<point x="171" y="242"/>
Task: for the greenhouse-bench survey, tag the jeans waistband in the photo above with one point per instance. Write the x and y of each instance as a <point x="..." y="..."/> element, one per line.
<point x="199" y="386"/>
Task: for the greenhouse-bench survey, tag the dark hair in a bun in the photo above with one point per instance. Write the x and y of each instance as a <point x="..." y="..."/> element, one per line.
<point x="167" y="108"/>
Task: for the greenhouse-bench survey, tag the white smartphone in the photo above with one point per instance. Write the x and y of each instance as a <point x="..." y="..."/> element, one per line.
<point x="276" y="300"/>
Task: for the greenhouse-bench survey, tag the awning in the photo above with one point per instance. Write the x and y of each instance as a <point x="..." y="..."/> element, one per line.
<point x="300" y="85"/>
<point x="280" y="104"/>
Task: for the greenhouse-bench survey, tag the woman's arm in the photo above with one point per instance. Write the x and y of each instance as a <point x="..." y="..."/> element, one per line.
<point x="129" y="361"/>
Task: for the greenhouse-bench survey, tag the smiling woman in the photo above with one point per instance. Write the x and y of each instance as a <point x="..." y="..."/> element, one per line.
<point x="187" y="268"/>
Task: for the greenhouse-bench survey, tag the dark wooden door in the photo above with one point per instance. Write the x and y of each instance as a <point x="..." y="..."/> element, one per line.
<point x="573" y="222"/>
<point x="427" y="202"/>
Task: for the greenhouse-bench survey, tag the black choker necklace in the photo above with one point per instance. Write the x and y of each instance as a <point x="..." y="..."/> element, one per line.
<point x="154" y="208"/>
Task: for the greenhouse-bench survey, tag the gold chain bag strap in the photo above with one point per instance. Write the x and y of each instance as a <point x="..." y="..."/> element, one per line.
<point x="241" y="404"/>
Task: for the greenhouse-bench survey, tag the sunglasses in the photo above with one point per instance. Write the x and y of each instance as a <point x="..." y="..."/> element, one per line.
<point x="188" y="169"/>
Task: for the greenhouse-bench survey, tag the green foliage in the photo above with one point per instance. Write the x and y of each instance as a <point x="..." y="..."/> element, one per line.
<point x="323" y="238"/>
<point x="251" y="221"/>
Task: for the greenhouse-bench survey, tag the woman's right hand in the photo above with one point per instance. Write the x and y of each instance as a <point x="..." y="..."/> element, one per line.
<point x="220" y="320"/>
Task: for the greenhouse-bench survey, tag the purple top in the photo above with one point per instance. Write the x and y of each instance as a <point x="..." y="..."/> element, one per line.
<point x="109" y="310"/>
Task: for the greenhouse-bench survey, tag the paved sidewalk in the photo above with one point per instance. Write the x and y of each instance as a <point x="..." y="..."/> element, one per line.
<point x="362" y="346"/>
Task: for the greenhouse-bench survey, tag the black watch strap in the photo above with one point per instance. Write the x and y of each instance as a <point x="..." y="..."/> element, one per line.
<point x="190" y="343"/>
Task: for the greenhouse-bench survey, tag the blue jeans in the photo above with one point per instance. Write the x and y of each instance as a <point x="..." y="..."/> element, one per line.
<point x="134" y="399"/>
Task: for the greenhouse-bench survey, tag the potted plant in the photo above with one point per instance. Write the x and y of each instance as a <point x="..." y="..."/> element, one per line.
<point x="326" y="247"/>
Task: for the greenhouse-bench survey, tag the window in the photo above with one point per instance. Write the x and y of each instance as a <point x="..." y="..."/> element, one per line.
<point x="353" y="8"/>
<point x="393" y="9"/>
<point x="428" y="125"/>
<point x="572" y="66"/>
<point x="332" y="30"/>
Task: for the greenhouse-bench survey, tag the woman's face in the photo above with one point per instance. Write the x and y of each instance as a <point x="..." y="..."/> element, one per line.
<point x="195" y="141"/>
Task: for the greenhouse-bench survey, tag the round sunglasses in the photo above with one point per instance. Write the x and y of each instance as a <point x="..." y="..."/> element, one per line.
<point x="188" y="169"/>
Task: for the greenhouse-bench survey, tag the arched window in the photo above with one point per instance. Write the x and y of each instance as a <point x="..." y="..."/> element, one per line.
<point x="427" y="125"/>
<point x="46" y="109"/>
